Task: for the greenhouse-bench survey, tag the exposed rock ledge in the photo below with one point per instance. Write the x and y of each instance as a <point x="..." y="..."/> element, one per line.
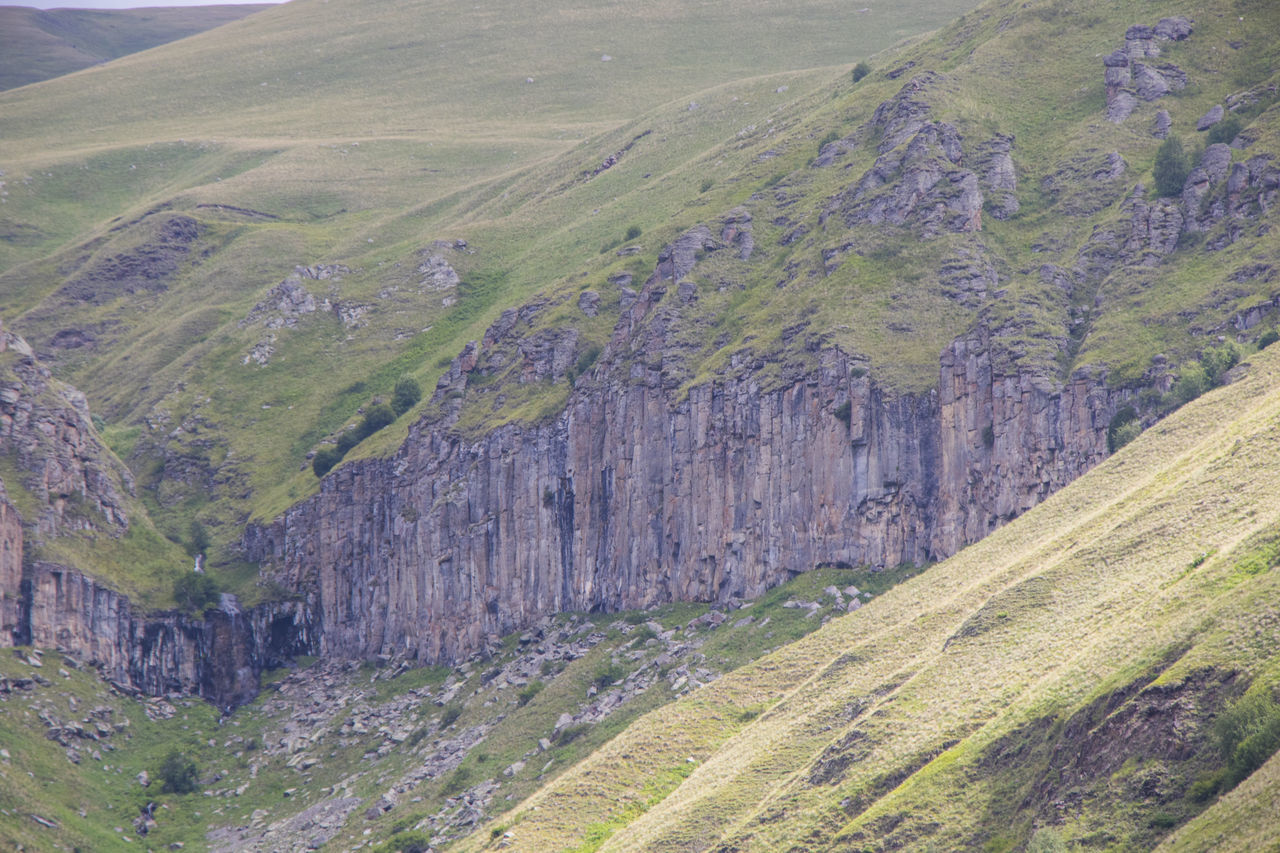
<point x="218" y="655"/>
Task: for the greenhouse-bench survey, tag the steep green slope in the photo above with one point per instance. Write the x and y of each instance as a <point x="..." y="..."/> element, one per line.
<point x="40" y="44"/>
<point x="1063" y="676"/>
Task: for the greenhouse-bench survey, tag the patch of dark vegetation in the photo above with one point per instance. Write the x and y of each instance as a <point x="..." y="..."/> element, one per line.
<point x="1146" y="742"/>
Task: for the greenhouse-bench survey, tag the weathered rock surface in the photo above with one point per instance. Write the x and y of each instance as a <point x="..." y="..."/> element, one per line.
<point x="1128" y="77"/>
<point x="10" y="572"/>
<point x="921" y="184"/>
<point x="636" y="495"/>
<point x="46" y="428"/>
<point x="218" y="655"/>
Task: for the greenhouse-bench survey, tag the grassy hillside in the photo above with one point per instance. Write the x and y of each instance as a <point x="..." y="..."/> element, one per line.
<point x="1063" y="676"/>
<point x="148" y="206"/>
<point x="40" y="44"/>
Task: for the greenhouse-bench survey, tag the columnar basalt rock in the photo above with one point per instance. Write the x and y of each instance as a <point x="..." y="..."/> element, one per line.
<point x="638" y="494"/>
<point x="10" y="572"/>
<point x="218" y="655"/>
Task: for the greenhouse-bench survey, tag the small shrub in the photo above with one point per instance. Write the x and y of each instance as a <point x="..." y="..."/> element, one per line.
<point x="457" y="781"/>
<point x="194" y="591"/>
<point x="610" y="675"/>
<point x="407" y="842"/>
<point x="1206" y="786"/>
<point x="585" y="360"/>
<point x="178" y="774"/>
<point x="1225" y="130"/>
<point x="827" y="140"/>
<point x="633" y="232"/>
<point x="1163" y="820"/>
<point x="349" y="439"/>
<point x="1124" y="428"/>
<point x="1193" y="381"/>
<point x="197" y="538"/>
<point x="844" y="413"/>
<point x="99" y="422"/>
<point x="1046" y="841"/>
<point x="1268" y="338"/>
<point x="406" y="395"/>
<point x="1171" y="168"/>
<point x="707" y="184"/>
<point x="1248" y="733"/>
<point x="1218" y="360"/>
<point x="526" y="693"/>
<point x="862" y="69"/>
<point x="636" y="617"/>
<point x="378" y="416"/>
<point x="642" y="635"/>
<point x="988" y="436"/>
<point x="569" y="734"/>
<point x="450" y="715"/>
<point x="324" y="460"/>
<point x="549" y="667"/>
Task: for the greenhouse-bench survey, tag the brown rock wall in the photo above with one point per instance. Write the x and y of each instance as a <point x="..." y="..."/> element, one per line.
<point x="634" y="496"/>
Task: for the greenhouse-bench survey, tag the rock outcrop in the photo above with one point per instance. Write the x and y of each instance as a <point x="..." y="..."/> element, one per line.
<point x="46" y="429"/>
<point x="10" y="572"/>
<point x="218" y="655"/>
<point x="636" y="494"/>
<point x="1129" y="77"/>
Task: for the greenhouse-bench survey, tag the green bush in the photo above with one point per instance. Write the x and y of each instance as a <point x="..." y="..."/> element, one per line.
<point x="1248" y="733"/>
<point x="197" y="538"/>
<point x="609" y="675"/>
<point x="1224" y="131"/>
<point x="194" y="591"/>
<point x="1218" y="360"/>
<point x="1268" y="338"/>
<point x="1193" y="381"/>
<point x="325" y="459"/>
<point x="1046" y="841"/>
<point x="526" y="693"/>
<point x="1119" y="431"/>
<point x="862" y="69"/>
<point x="1171" y="168"/>
<point x="633" y="232"/>
<point x="178" y="774"/>
<point x="451" y="714"/>
<point x="378" y="416"/>
<point x="457" y="781"/>
<point x="406" y="395"/>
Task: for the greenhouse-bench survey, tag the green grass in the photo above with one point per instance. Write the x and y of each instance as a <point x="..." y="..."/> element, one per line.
<point x="41" y="44"/>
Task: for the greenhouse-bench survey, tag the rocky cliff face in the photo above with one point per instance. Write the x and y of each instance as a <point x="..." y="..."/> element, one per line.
<point x="75" y="485"/>
<point x="45" y="429"/>
<point x="10" y="571"/>
<point x="218" y="655"/>
<point x="636" y="494"/>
